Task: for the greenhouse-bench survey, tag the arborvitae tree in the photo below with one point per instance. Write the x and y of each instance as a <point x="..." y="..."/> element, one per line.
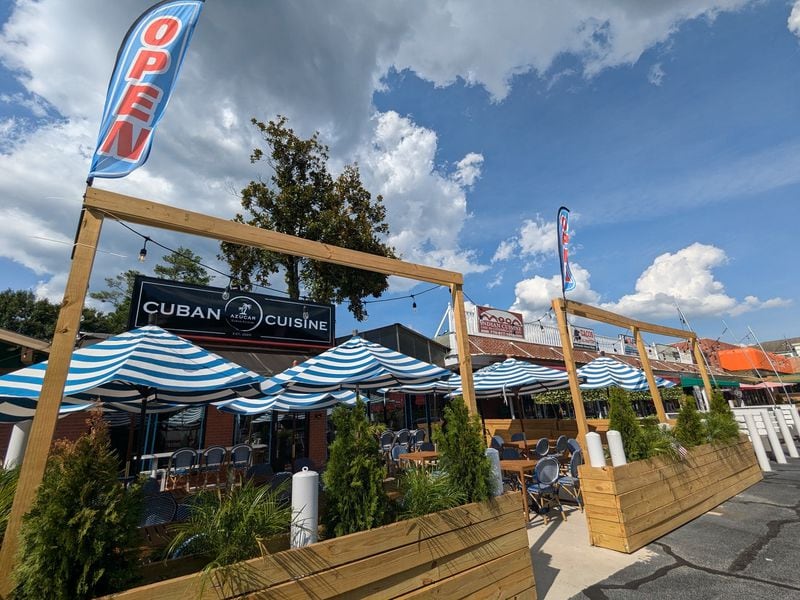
<point x="76" y="542"/>
<point x="721" y="425"/>
<point x="622" y="418"/>
<point x="462" y="451"/>
<point x="689" y="429"/>
<point x="354" y="475"/>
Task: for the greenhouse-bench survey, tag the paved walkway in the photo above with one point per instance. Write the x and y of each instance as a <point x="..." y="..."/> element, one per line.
<point x="748" y="548"/>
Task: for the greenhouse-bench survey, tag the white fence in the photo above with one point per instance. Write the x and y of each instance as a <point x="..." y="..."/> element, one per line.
<point x="771" y="427"/>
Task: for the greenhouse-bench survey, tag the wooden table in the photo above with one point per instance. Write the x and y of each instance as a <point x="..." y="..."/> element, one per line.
<point x="519" y="467"/>
<point x="423" y="456"/>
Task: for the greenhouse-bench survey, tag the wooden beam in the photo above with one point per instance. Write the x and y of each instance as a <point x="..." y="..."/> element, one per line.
<point x="598" y="314"/>
<point x="44" y="419"/>
<point x="701" y="366"/>
<point x="144" y="212"/>
<point x="560" y="309"/>
<point x="648" y="371"/>
<point x="462" y="344"/>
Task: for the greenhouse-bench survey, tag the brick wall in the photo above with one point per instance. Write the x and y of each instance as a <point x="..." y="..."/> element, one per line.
<point x="317" y="438"/>
<point x="70" y="427"/>
<point x="219" y="428"/>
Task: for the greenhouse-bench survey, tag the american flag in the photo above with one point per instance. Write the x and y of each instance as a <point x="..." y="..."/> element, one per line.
<point x="682" y="452"/>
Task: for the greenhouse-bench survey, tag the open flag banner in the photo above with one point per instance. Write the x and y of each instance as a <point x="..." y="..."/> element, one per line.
<point x="567" y="282"/>
<point x="147" y="67"/>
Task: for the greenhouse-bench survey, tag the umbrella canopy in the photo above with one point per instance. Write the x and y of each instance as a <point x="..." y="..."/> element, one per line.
<point x="605" y="372"/>
<point x="288" y="402"/>
<point x="514" y="375"/>
<point x="142" y="364"/>
<point x="355" y="364"/>
<point x="443" y="386"/>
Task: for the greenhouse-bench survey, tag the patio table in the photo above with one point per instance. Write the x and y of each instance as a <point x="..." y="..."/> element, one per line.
<point x="519" y="468"/>
<point x="420" y="456"/>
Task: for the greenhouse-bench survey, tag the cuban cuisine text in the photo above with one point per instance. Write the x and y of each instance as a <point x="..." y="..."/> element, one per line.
<point x="168" y="309"/>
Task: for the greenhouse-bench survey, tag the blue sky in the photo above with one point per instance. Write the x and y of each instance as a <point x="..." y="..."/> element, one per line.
<point x="671" y="131"/>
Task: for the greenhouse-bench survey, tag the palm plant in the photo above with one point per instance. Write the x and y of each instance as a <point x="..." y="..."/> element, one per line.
<point x="425" y="492"/>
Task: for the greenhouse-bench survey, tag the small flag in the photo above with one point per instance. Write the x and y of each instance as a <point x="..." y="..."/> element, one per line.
<point x="682" y="452"/>
<point x="567" y="282"/>
<point x="144" y="75"/>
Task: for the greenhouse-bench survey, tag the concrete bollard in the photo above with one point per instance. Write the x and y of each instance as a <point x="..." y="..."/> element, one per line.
<point x="755" y="439"/>
<point x="17" y="444"/>
<point x="616" y="448"/>
<point x="594" y="446"/>
<point x="305" y="508"/>
<point x="785" y="433"/>
<point x="497" y="476"/>
<point x="774" y="443"/>
<point x="795" y="418"/>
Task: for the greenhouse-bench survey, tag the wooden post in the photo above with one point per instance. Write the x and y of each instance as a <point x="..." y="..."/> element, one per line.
<point x="648" y="371"/>
<point x="462" y="343"/>
<point x="44" y="419"/>
<point x="560" y="309"/>
<point x="701" y="366"/>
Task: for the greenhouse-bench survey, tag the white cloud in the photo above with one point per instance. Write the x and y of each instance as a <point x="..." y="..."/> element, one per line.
<point x="656" y="74"/>
<point x="686" y="277"/>
<point x="794" y="19"/>
<point x="505" y="249"/>
<point x="497" y="280"/>
<point x="468" y="169"/>
<point x="535" y="241"/>
<point x="535" y="294"/>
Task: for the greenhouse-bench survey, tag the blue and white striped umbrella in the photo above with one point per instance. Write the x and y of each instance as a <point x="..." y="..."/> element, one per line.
<point x="605" y="372"/>
<point x="288" y="402"/>
<point x="143" y="364"/>
<point x="355" y="364"/>
<point x="516" y="376"/>
<point x="443" y="386"/>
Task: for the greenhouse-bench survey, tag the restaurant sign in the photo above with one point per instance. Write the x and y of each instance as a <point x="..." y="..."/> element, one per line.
<point x="231" y="316"/>
<point x="494" y="321"/>
<point x="628" y="345"/>
<point x="583" y="337"/>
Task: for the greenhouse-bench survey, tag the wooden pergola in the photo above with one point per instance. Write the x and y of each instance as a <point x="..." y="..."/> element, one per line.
<point x="99" y="204"/>
<point x="563" y="307"/>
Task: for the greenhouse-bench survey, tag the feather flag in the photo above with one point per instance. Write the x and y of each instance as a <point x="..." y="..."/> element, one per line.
<point x="567" y="282"/>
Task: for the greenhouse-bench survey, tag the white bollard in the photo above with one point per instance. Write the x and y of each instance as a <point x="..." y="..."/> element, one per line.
<point x="796" y="418"/>
<point x="755" y="439"/>
<point x="785" y="433"/>
<point x="774" y="443"/>
<point x="497" y="476"/>
<point x="594" y="446"/>
<point x="615" y="448"/>
<point x="305" y="508"/>
<point x="17" y="444"/>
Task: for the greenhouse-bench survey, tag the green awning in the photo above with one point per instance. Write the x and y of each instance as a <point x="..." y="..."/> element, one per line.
<point x="691" y="381"/>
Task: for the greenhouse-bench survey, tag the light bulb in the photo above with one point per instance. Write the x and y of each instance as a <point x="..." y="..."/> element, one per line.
<point x="413" y="304"/>
<point x="226" y="294"/>
<point x="305" y="312"/>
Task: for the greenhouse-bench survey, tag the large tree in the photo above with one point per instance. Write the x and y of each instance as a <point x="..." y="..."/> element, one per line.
<point x="118" y="294"/>
<point x="303" y="199"/>
<point x="183" y="265"/>
<point x="22" y="312"/>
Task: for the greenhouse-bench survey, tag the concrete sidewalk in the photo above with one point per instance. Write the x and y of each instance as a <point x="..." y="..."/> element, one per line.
<point x="748" y="547"/>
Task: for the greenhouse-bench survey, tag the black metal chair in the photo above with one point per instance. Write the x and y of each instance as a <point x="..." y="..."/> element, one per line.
<point x="497" y="443"/>
<point x="417" y="437"/>
<point x="518" y="437"/>
<point x="403" y="438"/>
<point x="158" y="509"/>
<point x="426" y="447"/>
<point x="182" y="465"/>
<point x="562" y="446"/>
<point x="151" y="486"/>
<point x="573" y="445"/>
<point x="259" y="474"/>
<point x="543" y="492"/>
<point x="571" y="483"/>
<point x="542" y="448"/>
<point x="301" y="462"/>
<point x="212" y="460"/>
<point x="510" y="453"/>
<point x="241" y="458"/>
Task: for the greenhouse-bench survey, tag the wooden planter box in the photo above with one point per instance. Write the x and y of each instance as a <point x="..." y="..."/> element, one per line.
<point x="630" y="506"/>
<point x="473" y="551"/>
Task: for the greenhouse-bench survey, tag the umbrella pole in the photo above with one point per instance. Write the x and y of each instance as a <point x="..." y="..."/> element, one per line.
<point x="522" y="420"/>
<point x="428" y="415"/>
<point x="142" y="433"/>
<point x="129" y="450"/>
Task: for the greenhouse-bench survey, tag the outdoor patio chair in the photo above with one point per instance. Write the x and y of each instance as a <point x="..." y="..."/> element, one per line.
<point x="299" y="463"/>
<point x="387" y="440"/>
<point x="395" y="457"/>
<point x="182" y="465"/>
<point x="158" y="509"/>
<point x="151" y="486"/>
<point x="561" y="445"/>
<point x="240" y="459"/>
<point x="279" y="482"/>
<point x="417" y="438"/>
<point x="518" y="437"/>
<point x="573" y="445"/>
<point x="510" y="453"/>
<point x="570" y="483"/>
<point x="402" y="438"/>
<point x="426" y="447"/>
<point x="543" y="492"/>
<point x="542" y="448"/>
<point x="259" y="474"/>
<point x="211" y="462"/>
<point x="497" y="443"/>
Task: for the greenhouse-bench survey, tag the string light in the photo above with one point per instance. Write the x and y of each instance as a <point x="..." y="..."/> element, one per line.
<point x="413" y="303"/>
<point x="143" y="251"/>
<point x="305" y="312"/>
<point x="226" y="293"/>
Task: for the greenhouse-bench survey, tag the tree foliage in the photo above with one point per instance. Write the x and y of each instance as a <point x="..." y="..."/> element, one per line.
<point x="76" y="540"/>
<point x="22" y="312"/>
<point x="462" y="451"/>
<point x="689" y="428"/>
<point x="118" y="294"/>
<point x="721" y="424"/>
<point x="622" y="418"/>
<point x="354" y="475"/>
<point x="303" y="199"/>
<point x="182" y="265"/>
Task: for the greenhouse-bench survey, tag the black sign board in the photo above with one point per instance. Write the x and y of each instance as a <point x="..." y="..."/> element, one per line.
<point x="211" y="313"/>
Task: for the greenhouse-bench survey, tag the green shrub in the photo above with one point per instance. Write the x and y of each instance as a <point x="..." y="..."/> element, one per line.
<point x="659" y="441"/>
<point x="354" y="475"/>
<point x="8" y="486"/>
<point x="226" y="526"/>
<point x="462" y="452"/>
<point x="622" y="418"/>
<point x="721" y="425"/>
<point x="76" y="540"/>
<point x="689" y="429"/>
<point x="425" y="492"/>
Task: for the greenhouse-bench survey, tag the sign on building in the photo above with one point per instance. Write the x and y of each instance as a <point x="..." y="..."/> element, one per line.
<point x="628" y="344"/>
<point x="230" y="316"/>
<point x="493" y="321"/>
<point x="583" y="337"/>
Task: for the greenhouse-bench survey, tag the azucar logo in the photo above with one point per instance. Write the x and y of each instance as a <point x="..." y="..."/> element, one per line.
<point x="243" y="313"/>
